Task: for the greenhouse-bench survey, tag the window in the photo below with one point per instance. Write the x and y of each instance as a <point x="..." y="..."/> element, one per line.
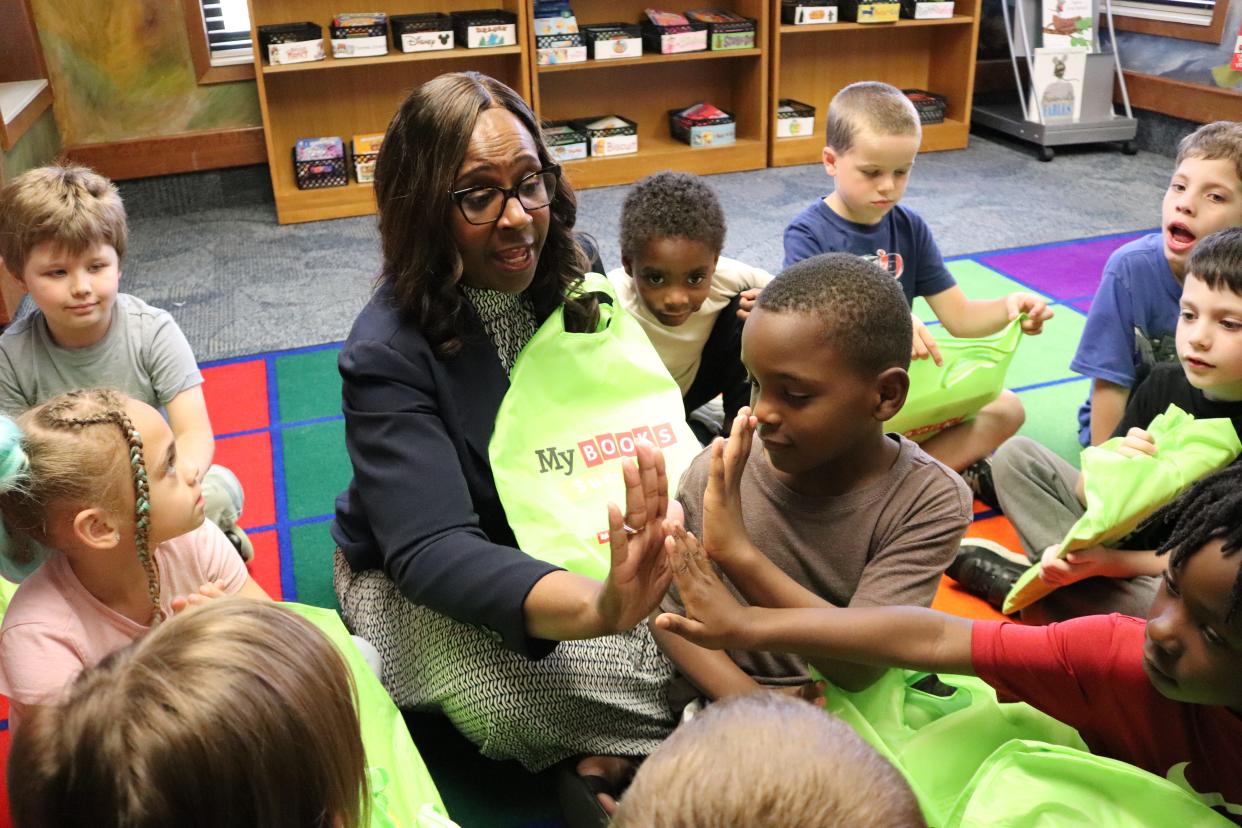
<point x="1201" y="20"/>
<point x="219" y="36"/>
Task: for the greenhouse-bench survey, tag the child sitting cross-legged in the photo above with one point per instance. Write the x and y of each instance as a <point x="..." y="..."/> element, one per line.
<point x="93" y="481"/>
<point x="1164" y="694"/>
<point x="237" y="713"/>
<point x="858" y="517"/>
<point x="689" y="299"/>
<point x="767" y="761"/>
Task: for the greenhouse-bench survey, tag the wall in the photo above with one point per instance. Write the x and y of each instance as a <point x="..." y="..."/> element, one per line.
<point x="121" y="69"/>
<point x="1204" y="64"/>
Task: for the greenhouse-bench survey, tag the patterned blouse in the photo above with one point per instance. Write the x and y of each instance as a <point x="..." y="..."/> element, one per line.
<point x="508" y="318"/>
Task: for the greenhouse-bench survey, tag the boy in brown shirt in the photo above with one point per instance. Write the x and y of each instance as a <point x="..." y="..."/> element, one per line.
<point x="857" y="516"/>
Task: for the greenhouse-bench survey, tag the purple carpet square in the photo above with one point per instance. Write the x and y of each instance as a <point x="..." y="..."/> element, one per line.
<point x="1063" y="270"/>
<point x="1083" y="305"/>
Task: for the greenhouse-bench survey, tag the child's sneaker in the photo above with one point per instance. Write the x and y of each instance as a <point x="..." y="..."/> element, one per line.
<point x="986" y="569"/>
<point x="223" y="500"/>
<point x="978" y="477"/>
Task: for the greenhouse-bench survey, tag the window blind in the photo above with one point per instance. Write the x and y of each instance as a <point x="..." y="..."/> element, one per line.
<point x="227" y="25"/>
<point x="1192" y="12"/>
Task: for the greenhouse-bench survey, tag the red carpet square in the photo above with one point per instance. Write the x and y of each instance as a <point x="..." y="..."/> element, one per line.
<point x="265" y="568"/>
<point x="249" y="456"/>
<point x="236" y="396"/>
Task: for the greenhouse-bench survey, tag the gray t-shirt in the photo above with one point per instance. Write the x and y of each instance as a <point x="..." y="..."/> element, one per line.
<point x="882" y="545"/>
<point x="144" y="354"/>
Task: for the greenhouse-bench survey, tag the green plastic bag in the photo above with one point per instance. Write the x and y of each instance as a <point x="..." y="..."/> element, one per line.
<point x="1027" y="784"/>
<point x="937" y="742"/>
<point x="973" y="374"/>
<point x="1121" y="491"/>
<point x="577" y="403"/>
<point x="403" y="794"/>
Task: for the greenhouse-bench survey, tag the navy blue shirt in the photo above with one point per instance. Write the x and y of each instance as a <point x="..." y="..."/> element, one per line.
<point x="901" y="243"/>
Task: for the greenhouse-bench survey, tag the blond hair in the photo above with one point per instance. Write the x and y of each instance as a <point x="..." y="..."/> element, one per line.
<point x="71" y="206"/>
<point x="238" y="713"/>
<point x="767" y="761"/>
<point x="878" y="107"/>
<point x="1217" y="141"/>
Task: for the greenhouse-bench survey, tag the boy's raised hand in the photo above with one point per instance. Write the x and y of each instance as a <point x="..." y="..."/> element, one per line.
<point x="205" y="592"/>
<point x="724" y="533"/>
<point x="713" y="619"/>
<point x="924" y="343"/>
<point x="746" y="302"/>
<point x="1036" y="310"/>
<point x="1137" y="443"/>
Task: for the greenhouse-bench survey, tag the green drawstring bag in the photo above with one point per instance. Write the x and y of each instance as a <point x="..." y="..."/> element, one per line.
<point x="576" y="406"/>
<point x="939" y="742"/>
<point x="1027" y="784"/>
<point x="973" y="374"/>
<point x="403" y="794"/>
<point x="1121" y="491"/>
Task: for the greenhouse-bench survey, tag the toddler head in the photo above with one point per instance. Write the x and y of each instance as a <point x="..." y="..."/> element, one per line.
<point x="1209" y="330"/>
<point x="62" y="236"/>
<point x="1193" y="651"/>
<point x="873" y="137"/>
<point x="767" y="761"/>
<point x="93" y="472"/>
<point x="237" y="713"/>
<point x="672" y="232"/>
<point x="1205" y="193"/>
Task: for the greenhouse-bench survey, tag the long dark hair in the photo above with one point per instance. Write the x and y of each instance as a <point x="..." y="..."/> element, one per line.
<point x="421" y="154"/>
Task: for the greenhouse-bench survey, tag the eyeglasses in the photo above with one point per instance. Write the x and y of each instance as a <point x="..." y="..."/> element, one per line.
<point x="484" y="205"/>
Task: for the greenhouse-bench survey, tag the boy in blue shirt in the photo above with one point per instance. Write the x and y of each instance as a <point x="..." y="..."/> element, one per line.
<point x="1132" y="319"/>
<point x="873" y="138"/>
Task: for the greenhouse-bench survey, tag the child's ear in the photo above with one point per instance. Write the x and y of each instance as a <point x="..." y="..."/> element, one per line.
<point x="831" y="158"/>
<point x="893" y="384"/>
<point x="627" y="264"/>
<point x="96" y="528"/>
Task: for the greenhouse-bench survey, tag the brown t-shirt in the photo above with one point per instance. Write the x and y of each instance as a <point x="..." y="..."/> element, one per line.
<point x="884" y="544"/>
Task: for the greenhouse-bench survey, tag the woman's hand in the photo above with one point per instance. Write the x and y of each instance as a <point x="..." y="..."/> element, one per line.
<point x="724" y="533"/>
<point x="639" y="575"/>
<point x="924" y="343"/>
<point x="713" y="619"/>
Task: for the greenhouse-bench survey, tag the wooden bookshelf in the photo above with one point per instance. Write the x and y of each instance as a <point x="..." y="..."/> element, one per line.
<point x="812" y="63"/>
<point x="645" y="89"/>
<point x="350" y="96"/>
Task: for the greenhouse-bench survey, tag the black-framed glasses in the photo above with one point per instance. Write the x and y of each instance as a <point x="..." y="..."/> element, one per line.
<point x="484" y="205"/>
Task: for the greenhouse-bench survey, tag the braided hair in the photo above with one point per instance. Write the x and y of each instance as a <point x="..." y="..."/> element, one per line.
<point x="1210" y="509"/>
<point x="38" y="469"/>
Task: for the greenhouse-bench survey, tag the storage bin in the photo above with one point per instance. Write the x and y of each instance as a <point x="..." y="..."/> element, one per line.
<point x="562" y="48"/>
<point x="794" y="119"/>
<point x="725" y="30"/>
<point x="611" y="41"/>
<point x="870" y="11"/>
<point x="291" y="43"/>
<point x="808" y="14"/>
<point x="702" y="125"/>
<point x="359" y="35"/>
<point x="422" y="32"/>
<point x="926" y="9"/>
<point x="670" y="33"/>
<point x="560" y="24"/>
<point x="565" y="141"/>
<point x="609" y="134"/>
<point x="931" y="107"/>
<point x="366" y="151"/>
<point x="319" y="163"/>
<point x="485" y="28"/>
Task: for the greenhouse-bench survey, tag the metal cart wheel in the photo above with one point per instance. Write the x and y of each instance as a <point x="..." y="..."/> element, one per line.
<point x="1047" y="153"/>
<point x="1129" y="148"/>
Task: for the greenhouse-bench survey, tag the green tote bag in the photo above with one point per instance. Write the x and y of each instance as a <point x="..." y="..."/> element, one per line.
<point x="576" y="406"/>
<point x="973" y="374"/>
<point x="403" y="794"/>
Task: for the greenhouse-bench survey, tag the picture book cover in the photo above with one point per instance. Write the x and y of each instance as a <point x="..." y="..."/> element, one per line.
<point x="1057" y="75"/>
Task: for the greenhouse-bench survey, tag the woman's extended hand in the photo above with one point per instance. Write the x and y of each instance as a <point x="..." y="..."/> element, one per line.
<point x="724" y="533"/>
<point x="639" y="575"/>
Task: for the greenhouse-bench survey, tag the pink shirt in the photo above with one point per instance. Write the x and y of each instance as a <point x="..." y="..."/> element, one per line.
<point x="54" y="628"/>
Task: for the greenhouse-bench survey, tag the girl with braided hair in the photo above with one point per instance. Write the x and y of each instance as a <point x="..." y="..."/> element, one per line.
<point x="94" y="475"/>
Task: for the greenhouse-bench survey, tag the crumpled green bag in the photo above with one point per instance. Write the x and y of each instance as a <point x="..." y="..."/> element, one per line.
<point x="403" y="794"/>
<point x="938" y="743"/>
<point x="1028" y="784"/>
<point x="576" y="405"/>
<point x="973" y="374"/>
<point x="1121" y="491"/>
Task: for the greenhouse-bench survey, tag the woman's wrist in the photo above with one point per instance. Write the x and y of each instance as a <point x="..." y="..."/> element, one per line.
<point x="563" y="606"/>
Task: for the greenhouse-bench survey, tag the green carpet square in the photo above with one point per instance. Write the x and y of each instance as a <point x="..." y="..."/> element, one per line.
<point x="313" y="549"/>
<point x="977" y="282"/>
<point x="1046" y="357"/>
<point x="1052" y="416"/>
<point x="317" y="468"/>
<point x="308" y="385"/>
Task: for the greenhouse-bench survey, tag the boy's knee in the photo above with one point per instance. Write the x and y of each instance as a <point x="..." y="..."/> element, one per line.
<point x="1011" y="458"/>
<point x="1008" y="412"/>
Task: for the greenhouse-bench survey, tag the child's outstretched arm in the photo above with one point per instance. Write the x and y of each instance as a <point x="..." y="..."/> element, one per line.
<point x="191" y="427"/>
<point x="973" y="318"/>
<point x="909" y="637"/>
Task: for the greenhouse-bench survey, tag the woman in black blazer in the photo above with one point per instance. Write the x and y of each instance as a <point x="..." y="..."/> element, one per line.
<point x="529" y="661"/>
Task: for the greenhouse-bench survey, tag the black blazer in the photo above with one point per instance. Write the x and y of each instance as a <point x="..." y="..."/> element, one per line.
<point x="422" y="505"/>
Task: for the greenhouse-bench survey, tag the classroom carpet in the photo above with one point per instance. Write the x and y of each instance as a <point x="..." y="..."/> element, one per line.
<point x="277" y="418"/>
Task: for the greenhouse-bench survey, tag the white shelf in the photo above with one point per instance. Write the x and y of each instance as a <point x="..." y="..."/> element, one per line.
<point x="15" y="96"/>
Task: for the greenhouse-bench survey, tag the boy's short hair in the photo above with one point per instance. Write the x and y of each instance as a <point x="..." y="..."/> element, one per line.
<point x="881" y="108"/>
<point x="1217" y="260"/>
<point x="70" y="205"/>
<point x="1217" y="141"/>
<point x="767" y="761"/>
<point x="861" y="308"/>
<point x="673" y="204"/>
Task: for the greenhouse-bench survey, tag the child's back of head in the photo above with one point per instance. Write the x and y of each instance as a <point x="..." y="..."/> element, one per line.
<point x="70" y="206"/>
<point x="767" y="761"/>
<point x="881" y="109"/>
<point x="239" y="713"/>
